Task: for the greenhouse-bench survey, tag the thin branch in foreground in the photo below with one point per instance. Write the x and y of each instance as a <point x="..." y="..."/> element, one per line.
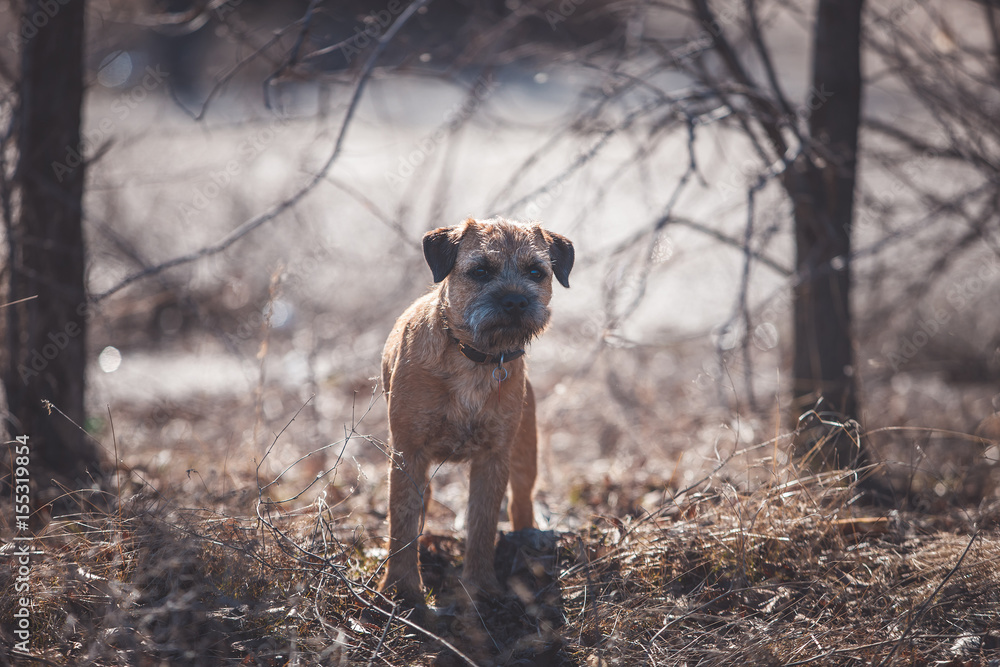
<point x="14" y="303"/>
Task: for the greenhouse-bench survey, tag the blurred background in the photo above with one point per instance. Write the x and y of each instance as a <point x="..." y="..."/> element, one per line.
<point x="293" y="153"/>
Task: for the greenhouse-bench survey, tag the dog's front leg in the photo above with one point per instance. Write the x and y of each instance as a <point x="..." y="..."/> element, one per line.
<point x="524" y="466"/>
<point x="487" y="485"/>
<point x="408" y="487"/>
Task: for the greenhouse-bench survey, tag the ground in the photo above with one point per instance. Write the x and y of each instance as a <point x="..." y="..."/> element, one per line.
<point x="802" y="569"/>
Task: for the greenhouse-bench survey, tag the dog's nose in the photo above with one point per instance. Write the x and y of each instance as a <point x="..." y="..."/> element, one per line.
<point x="514" y="304"/>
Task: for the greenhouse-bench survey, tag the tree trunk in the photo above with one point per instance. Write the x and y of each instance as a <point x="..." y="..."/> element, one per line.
<point x="822" y="189"/>
<point x="46" y="336"/>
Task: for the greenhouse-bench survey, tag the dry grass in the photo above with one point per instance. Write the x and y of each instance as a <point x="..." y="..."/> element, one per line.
<point x="796" y="571"/>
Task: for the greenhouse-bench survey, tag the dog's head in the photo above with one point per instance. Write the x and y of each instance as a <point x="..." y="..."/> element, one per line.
<point x="497" y="278"/>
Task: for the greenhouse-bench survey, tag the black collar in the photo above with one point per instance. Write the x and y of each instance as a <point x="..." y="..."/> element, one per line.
<point x="478" y="357"/>
<point x="474" y="355"/>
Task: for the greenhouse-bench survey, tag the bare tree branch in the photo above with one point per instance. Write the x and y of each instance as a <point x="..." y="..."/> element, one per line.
<point x="764" y="53"/>
<point x="766" y="113"/>
<point x="262" y="219"/>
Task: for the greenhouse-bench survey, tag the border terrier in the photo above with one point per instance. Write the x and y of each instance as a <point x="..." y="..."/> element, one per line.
<point x="454" y="375"/>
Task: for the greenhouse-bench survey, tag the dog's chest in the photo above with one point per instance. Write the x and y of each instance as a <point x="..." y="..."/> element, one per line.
<point x="475" y="420"/>
<point x="471" y="398"/>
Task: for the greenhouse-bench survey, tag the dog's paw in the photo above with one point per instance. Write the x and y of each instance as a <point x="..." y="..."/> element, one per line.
<point x="403" y="591"/>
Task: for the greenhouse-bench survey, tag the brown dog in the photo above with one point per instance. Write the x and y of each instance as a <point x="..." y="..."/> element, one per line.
<point x="454" y="375"/>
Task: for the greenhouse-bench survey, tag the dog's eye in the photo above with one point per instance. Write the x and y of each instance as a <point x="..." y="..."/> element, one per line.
<point x="536" y="273"/>
<point x="480" y="273"/>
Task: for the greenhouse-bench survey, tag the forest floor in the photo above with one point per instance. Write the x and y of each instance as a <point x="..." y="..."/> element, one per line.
<point x="802" y="568"/>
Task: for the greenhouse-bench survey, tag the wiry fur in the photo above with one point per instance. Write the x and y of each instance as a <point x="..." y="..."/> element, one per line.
<point x="444" y="406"/>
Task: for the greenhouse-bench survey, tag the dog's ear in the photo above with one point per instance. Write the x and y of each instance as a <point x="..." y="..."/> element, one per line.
<point x="561" y="252"/>
<point x="441" y="250"/>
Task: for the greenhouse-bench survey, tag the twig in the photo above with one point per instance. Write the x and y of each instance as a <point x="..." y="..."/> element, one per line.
<point x="475" y="607"/>
<point x="523" y="169"/>
<point x="395" y="225"/>
<point x="14" y="303"/>
<point x="351" y="585"/>
<point x="585" y="156"/>
<point x="757" y="36"/>
<point x="293" y="55"/>
<point x="381" y="639"/>
<point x="118" y="474"/>
<point x="766" y="113"/>
<point x="923" y="608"/>
<point x="663" y="222"/>
<point x="260" y="489"/>
<point x="225" y="78"/>
<point x="50" y="406"/>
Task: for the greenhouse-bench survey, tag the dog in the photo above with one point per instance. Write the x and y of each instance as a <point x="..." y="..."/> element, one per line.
<point x="454" y="375"/>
